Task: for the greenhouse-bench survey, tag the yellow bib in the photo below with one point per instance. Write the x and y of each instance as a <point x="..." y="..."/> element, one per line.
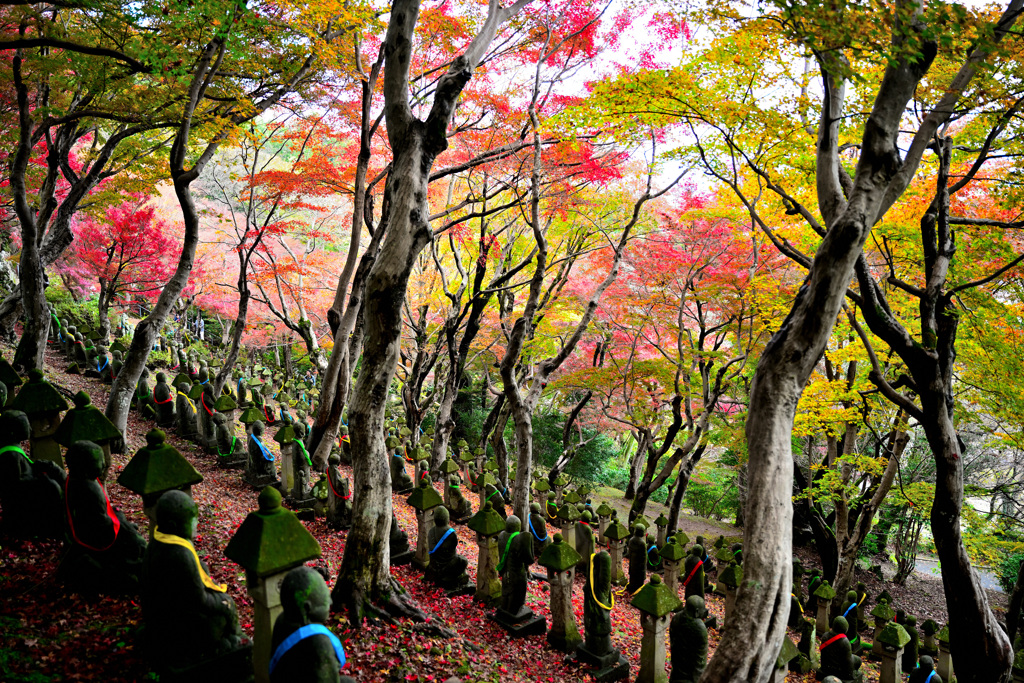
<point x="171" y="539"/>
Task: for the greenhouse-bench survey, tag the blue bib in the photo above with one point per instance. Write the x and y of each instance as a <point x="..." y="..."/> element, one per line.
<point x="446" y="535"/>
<point x="267" y="455"/>
<point x="529" y="523"/>
<point x="301" y="634"/>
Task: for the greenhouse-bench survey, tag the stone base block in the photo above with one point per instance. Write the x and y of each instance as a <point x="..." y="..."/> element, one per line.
<point x="611" y="666"/>
<point x="800" y="664"/>
<point x="261" y="482"/>
<point x="402" y="558"/>
<point x="468" y="589"/>
<point x="522" y="624"/>
<point x="231" y="667"/>
<point x="231" y="462"/>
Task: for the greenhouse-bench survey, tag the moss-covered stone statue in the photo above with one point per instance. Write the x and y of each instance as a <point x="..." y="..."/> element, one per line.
<point x="163" y="399"/>
<point x="693" y="573"/>
<point x="837" y="658"/>
<point x="191" y="621"/>
<point x="185" y="410"/>
<point x="636" y="553"/>
<point x="515" y="550"/>
<point x="689" y="642"/>
<point x="598" y="602"/>
<point x="401" y="482"/>
<point x="849" y="612"/>
<point x="446" y="568"/>
<point x="398" y="544"/>
<point x="260" y="468"/>
<point x="302" y="648"/>
<point x="30" y="491"/>
<point x="925" y="672"/>
<point x="461" y="508"/>
<point x="539" y="530"/>
<point x="144" y="396"/>
<point x="105" y="549"/>
<point x="339" y="495"/>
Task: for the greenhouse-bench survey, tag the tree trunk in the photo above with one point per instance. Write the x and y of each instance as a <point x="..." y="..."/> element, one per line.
<point x="103" y="311"/>
<point x="1013" y="625"/>
<point x="238" y="329"/>
<point x="636" y="466"/>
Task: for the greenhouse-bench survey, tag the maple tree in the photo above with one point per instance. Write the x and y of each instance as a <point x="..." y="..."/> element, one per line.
<point x="128" y="253"/>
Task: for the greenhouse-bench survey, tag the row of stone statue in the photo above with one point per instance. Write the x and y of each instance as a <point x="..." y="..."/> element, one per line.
<point x="896" y="642"/>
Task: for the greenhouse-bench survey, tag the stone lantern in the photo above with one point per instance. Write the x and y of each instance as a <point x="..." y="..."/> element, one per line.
<point x="285" y="437"/>
<point x="568" y="515"/>
<point x="560" y="559"/>
<point x="883" y="614"/>
<point x="571" y="497"/>
<point x="731" y="579"/>
<point x="480" y="485"/>
<point x="226" y="405"/>
<point x="662" y="524"/>
<point x="944" y="664"/>
<point x="929" y="646"/>
<point x="86" y="422"/>
<point x="423" y="499"/>
<point x="465" y="457"/>
<point x="672" y="556"/>
<point x="604" y="513"/>
<point x="448" y="468"/>
<point x="725" y="558"/>
<point x="155" y="469"/>
<point x="250" y="416"/>
<point x="268" y="544"/>
<point x="888" y="647"/>
<point x="788" y="652"/>
<point x="487" y="524"/>
<point x="824" y="594"/>
<point x="616" y="534"/>
<point x="642" y="521"/>
<point x="681" y="539"/>
<point x="43" y="405"/>
<point x="656" y="603"/>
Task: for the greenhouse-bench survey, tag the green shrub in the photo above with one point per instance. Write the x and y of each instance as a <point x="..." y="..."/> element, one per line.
<point x="1007" y="570"/>
<point x="712" y="492"/>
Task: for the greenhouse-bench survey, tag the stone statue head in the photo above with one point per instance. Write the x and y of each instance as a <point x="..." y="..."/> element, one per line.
<point x="512" y="524"/>
<point x="697" y="551"/>
<point x="441" y="516"/>
<point x="851" y="596"/>
<point x="694" y="606"/>
<point x="927" y="664"/>
<point x="117" y="355"/>
<point x="14" y="426"/>
<point x="203" y="376"/>
<point x="911" y="621"/>
<point x="535" y="508"/>
<point x="840" y="625"/>
<point x="586" y="516"/>
<point x="85" y="460"/>
<point x="638" y="530"/>
<point x="334" y="459"/>
<point x="177" y="514"/>
<point x="3" y="394"/>
<point x="257" y="428"/>
<point x="305" y="598"/>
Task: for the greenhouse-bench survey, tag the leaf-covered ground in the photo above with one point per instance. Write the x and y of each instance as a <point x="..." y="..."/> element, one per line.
<point x="48" y="634"/>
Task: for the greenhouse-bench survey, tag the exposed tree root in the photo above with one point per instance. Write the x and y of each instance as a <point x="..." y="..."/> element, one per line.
<point x="388" y="607"/>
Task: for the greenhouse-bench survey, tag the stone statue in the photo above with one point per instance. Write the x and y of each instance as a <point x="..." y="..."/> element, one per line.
<point x="105" y="553"/>
<point x="584" y="542"/>
<point x="849" y="612"/>
<point x="925" y="673"/>
<point x="189" y="618"/>
<point x="910" y="650"/>
<point x="339" y="495"/>
<point x="462" y="509"/>
<point x="516" y="556"/>
<point x="494" y="497"/>
<point x="117" y="363"/>
<point x="163" y="398"/>
<point x="144" y="397"/>
<point x="446" y="568"/>
<point x="693" y="572"/>
<point x="30" y="491"/>
<point x="539" y="530"/>
<point x="596" y="648"/>
<point x="653" y="554"/>
<point x="400" y="479"/>
<point x="185" y="410"/>
<point x="636" y="551"/>
<point x="689" y="642"/>
<point x="837" y="658"/>
<point x="260" y="468"/>
<point x="398" y="544"/>
<point x="302" y="648"/>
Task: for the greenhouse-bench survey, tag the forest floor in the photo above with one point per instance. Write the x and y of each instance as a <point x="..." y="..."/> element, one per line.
<point x="48" y="634"/>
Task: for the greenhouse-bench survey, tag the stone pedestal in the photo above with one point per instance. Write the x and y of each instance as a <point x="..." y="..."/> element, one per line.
<point x="488" y="585"/>
<point x="610" y="666"/>
<point x="424" y="518"/>
<point x="42" y="445"/>
<point x="944" y="663"/>
<point x="569" y="533"/>
<point x="288" y="467"/>
<point x="615" y="550"/>
<point x="564" y="633"/>
<point x="730" y="603"/>
<point x="671" y="573"/>
<point x="890" y="643"/>
<point x="266" y="607"/>
<point x="602" y="524"/>
<point x="652" y="649"/>
<point x="821" y="618"/>
<point x="522" y="624"/>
